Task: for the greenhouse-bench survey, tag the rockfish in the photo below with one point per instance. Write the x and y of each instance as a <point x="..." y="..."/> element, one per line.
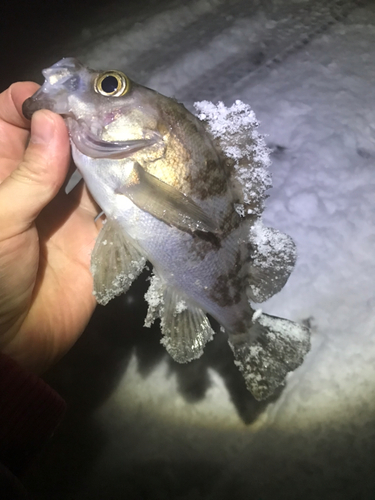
<point x="185" y="193"/>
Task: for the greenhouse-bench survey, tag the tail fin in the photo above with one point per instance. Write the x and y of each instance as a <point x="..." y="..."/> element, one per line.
<point x="268" y="351"/>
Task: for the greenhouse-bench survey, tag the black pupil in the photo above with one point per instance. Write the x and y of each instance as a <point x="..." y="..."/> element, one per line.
<point x="109" y="84"/>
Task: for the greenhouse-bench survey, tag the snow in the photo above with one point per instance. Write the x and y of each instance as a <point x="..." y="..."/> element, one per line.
<point x="231" y="121"/>
<point x="316" y="439"/>
<point x="256" y="315"/>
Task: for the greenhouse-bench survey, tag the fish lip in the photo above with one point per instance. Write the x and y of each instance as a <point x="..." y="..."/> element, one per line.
<point x="28" y="108"/>
<point x="33" y="103"/>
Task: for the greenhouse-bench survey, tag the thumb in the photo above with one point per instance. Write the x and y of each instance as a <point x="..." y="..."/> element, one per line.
<point x="38" y="177"/>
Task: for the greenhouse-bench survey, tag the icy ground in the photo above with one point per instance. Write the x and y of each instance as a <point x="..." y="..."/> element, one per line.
<point x="140" y="426"/>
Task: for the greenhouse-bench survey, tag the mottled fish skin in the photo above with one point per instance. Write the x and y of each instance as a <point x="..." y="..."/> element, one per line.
<point x="165" y="185"/>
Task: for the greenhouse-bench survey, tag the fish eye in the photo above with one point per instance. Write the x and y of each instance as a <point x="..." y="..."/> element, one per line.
<point x="112" y="84"/>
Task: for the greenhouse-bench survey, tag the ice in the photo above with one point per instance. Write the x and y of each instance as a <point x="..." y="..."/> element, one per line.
<point x="224" y="121"/>
<point x="132" y="40"/>
<point x="256" y="314"/>
<point x="181" y="306"/>
<point x="304" y="204"/>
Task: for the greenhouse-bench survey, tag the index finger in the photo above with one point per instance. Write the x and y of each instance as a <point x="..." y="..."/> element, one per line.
<point x="11" y="101"/>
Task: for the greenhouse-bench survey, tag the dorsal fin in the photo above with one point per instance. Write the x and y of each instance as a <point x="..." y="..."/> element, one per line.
<point x="244" y="151"/>
<point x="272" y="254"/>
<point x="272" y="261"/>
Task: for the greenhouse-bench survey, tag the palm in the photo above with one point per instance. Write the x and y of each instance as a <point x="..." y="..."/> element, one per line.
<point x="47" y="285"/>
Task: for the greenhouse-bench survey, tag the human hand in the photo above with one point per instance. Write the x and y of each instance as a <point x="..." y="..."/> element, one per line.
<point x="46" y="237"/>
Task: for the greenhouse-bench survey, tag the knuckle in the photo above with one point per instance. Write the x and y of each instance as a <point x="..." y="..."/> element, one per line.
<point x="33" y="169"/>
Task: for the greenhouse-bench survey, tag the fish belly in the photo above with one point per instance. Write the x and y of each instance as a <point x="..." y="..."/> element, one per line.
<point x="182" y="263"/>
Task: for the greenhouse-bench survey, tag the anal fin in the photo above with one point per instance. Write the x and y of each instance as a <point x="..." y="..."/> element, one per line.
<point x="271" y="349"/>
<point x="185" y="327"/>
<point x="115" y="263"/>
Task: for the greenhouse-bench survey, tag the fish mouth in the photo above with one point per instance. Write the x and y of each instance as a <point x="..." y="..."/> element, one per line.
<point x="52" y="94"/>
<point x="85" y="141"/>
<point x="28" y="108"/>
<point x="32" y="104"/>
<point x="91" y="145"/>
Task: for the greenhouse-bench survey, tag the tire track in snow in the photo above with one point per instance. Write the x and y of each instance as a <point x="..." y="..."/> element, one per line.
<point x="139" y="44"/>
<point x="253" y="40"/>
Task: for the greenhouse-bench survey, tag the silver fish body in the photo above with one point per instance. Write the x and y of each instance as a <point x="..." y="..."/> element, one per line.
<point x="170" y="192"/>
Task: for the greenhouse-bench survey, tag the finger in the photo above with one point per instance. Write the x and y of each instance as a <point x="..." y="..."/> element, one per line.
<point x="37" y="179"/>
<point x="11" y="101"/>
<point x="14" y="128"/>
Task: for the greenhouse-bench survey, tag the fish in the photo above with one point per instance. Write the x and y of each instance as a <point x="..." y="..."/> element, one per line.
<point x="185" y="193"/>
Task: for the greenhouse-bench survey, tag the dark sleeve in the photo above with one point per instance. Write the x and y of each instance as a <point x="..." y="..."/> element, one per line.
<point x="30" y="411"/>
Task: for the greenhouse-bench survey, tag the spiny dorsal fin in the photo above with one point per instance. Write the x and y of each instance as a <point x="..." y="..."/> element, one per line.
<point x="243" y="150"/>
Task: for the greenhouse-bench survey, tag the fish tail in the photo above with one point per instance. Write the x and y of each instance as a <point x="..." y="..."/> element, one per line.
<point x="268" y="351"/>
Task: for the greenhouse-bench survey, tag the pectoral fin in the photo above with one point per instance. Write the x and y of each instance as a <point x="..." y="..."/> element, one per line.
<point x="165" y="202"/>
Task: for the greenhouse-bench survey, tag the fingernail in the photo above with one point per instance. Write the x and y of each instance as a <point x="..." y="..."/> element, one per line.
<point x="42" y="128"/>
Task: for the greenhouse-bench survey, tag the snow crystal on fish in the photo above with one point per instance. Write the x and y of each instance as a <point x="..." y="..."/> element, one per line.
<point x="154" y="299"/>
<point x="235" y="128"/>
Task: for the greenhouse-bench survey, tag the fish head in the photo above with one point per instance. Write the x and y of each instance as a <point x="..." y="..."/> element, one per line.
<point x="106" y="113"/>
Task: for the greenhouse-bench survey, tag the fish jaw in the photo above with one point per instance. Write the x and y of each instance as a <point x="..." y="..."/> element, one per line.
<point x="61" y="80"/>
